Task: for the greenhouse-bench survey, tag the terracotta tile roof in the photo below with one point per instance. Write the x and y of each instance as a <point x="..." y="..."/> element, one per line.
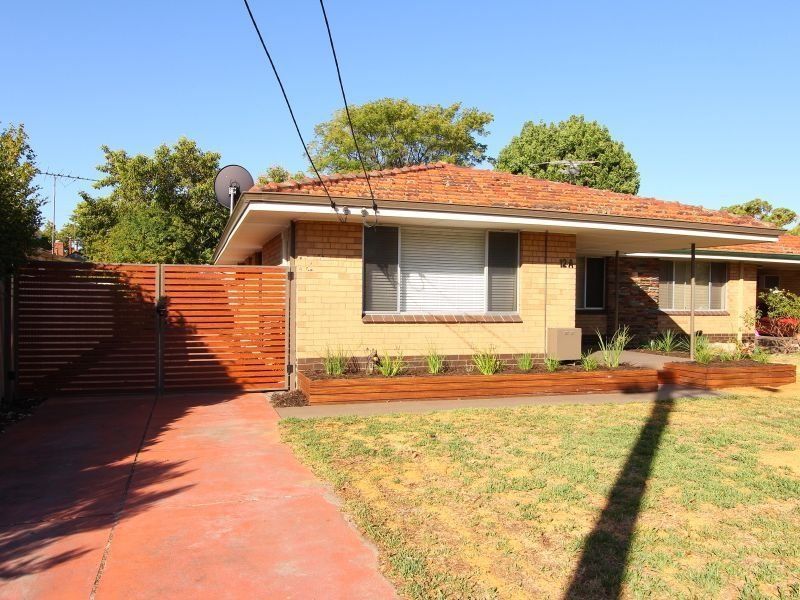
<point x="464" y="186"/>
<point x="787" y="244"/>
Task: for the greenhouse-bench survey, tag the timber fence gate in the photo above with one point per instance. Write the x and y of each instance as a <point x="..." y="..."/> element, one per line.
<point x="81" y="328"/>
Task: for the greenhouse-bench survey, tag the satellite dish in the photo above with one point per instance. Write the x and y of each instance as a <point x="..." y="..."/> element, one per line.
<point x="230" y="183"/>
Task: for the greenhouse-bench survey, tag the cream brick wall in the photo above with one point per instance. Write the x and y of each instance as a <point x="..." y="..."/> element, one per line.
<point x="328" y="272"/>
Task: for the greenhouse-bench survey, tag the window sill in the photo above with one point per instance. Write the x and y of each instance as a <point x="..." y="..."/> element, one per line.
<point x="590" y="311"/>
<point x="697" y="313"/>
<point x="441" y="318"/>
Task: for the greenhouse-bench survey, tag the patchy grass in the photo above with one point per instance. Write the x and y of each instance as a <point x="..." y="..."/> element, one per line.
<point x="692" y="498"/>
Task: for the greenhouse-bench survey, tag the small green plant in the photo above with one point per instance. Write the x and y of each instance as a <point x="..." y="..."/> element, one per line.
<point x="611" y="350"/>
<point x="391" y="365"/>
<point x="335" y="362"/>
<point x="589" y="362"/>
<point x="525" y="362"/>
<point x="435" y="362"/>
<point x="703" y="353"/>
<point x="668" y="341"/>
<point x="551" y="364"/>
<point x="760" y="355"/>
<point x="487" y="362"/>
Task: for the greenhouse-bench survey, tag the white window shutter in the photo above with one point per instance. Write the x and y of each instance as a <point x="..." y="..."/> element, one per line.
<point x="442" y="270"/>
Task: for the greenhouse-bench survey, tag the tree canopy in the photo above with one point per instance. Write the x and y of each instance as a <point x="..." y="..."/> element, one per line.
<point x="278" y="174"/>
<point x="573" y="139"/>
<point x="160" y="208"/>
<point x="20" y="217"/>
<point x="764" y="211"/>
<point x="395" y="133"/>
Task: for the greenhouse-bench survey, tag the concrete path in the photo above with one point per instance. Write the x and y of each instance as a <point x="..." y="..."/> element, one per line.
<point x="366" y="409"/>
<point x="189" y="497"/>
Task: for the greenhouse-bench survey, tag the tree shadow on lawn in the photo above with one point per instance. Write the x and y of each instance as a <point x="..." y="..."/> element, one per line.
<point x="601" y="569"/>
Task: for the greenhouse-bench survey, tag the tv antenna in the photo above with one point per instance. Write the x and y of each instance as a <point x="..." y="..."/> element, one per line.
<point x="569" y="166"/>
<point x="56" y="177"/>
<point x="229" y="184"/>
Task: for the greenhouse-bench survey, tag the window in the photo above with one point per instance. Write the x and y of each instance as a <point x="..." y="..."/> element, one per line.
<point x="590" y="283"/>
<point x="440" y="270"/>
<point x="772" y="282"/>
<point x="674" y="292"/>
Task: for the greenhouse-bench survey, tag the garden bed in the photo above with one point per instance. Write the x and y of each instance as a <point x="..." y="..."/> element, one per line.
<point x="739" y="373"/>
<point x="372" y="388"/>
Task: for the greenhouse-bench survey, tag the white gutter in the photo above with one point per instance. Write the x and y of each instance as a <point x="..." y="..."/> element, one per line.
<point x="718" y="257"/>
<point x="393" y="213"/>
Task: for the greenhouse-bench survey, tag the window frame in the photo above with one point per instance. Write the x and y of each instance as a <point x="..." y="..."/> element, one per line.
<point x="723" y="308"/>
<point x="398" y="304"/>
<point x="585" y="287"/>
<point x="767" y="287"/>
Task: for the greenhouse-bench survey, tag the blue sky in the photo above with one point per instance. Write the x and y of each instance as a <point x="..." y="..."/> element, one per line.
<point x="705" y="95"/>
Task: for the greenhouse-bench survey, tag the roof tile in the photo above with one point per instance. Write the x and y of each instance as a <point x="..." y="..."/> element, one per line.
<point x="464" y="186"/>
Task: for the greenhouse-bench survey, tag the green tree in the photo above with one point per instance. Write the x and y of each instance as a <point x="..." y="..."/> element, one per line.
<point x="278" y="174"/>
<point x="395" y="133"/>
<point x="20" y="217"/>
<point x="764" y="211"/>
<point x="574" y="139"/>
<point x="160" y="208"/>
<point x="69" y="232"/>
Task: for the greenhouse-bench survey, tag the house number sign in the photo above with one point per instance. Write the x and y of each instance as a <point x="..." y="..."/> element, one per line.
<point x="567" y="263"/>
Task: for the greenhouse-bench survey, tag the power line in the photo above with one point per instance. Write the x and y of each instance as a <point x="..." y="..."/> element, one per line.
<point x="288" y="104"/>
<point x="346" y="107"/>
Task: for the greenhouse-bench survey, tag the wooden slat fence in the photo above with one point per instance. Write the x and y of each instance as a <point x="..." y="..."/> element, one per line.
<point x="85" y="327"/>
<point x="225" y="324"/>
<point x="99" y="328"/>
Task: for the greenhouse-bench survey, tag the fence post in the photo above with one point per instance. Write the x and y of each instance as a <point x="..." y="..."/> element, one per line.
<point x="160" y="313"/>
<point x="6" y="363"/>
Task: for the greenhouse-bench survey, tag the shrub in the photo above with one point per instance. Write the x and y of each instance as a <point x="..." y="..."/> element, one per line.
<point x="778" y="326"/>
<point x="335" y="362"/>
<point x="611" y="350"/>
<point x="487" y="362"/>
<point x="435" y="362"/>
<point x="551" y="364"/>
<point x="780" y="303"/>
<point x="589" y="362"/>
<point x="525" y="362"/>
<point x="391" y="365"/>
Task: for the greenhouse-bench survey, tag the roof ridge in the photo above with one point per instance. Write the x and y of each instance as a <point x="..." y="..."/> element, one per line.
<point x="294" y="183"/>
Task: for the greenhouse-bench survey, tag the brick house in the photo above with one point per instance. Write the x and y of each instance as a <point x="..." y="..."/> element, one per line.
<point x="461" y="259"/>
<point x="764" y="266"/>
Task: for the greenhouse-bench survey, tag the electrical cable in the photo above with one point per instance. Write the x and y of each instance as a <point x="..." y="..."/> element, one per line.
<point x="347" y="108"/>
<point x="289" y="106"/>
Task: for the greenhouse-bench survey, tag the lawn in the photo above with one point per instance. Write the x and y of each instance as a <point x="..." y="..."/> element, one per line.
<point x="687" y="498"/>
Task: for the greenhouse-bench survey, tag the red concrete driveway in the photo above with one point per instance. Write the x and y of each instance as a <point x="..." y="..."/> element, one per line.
<point x="189" y="496"/>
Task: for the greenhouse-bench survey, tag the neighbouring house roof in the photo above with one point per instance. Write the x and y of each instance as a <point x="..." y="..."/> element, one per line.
<point x="443" y="183"/>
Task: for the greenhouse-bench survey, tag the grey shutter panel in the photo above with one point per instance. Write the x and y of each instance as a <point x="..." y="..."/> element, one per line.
<point x="680" y="293"/>
<point x="701" y="284"/>
<point x="502" y="271"/>
<point x="719" y="277"/>
<point x="665" y="297"/>
<point x="580" y="279"/>
<point x="595" y="282"/>
<point x="442" y="270"/>
<point x="380" y="269"/>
